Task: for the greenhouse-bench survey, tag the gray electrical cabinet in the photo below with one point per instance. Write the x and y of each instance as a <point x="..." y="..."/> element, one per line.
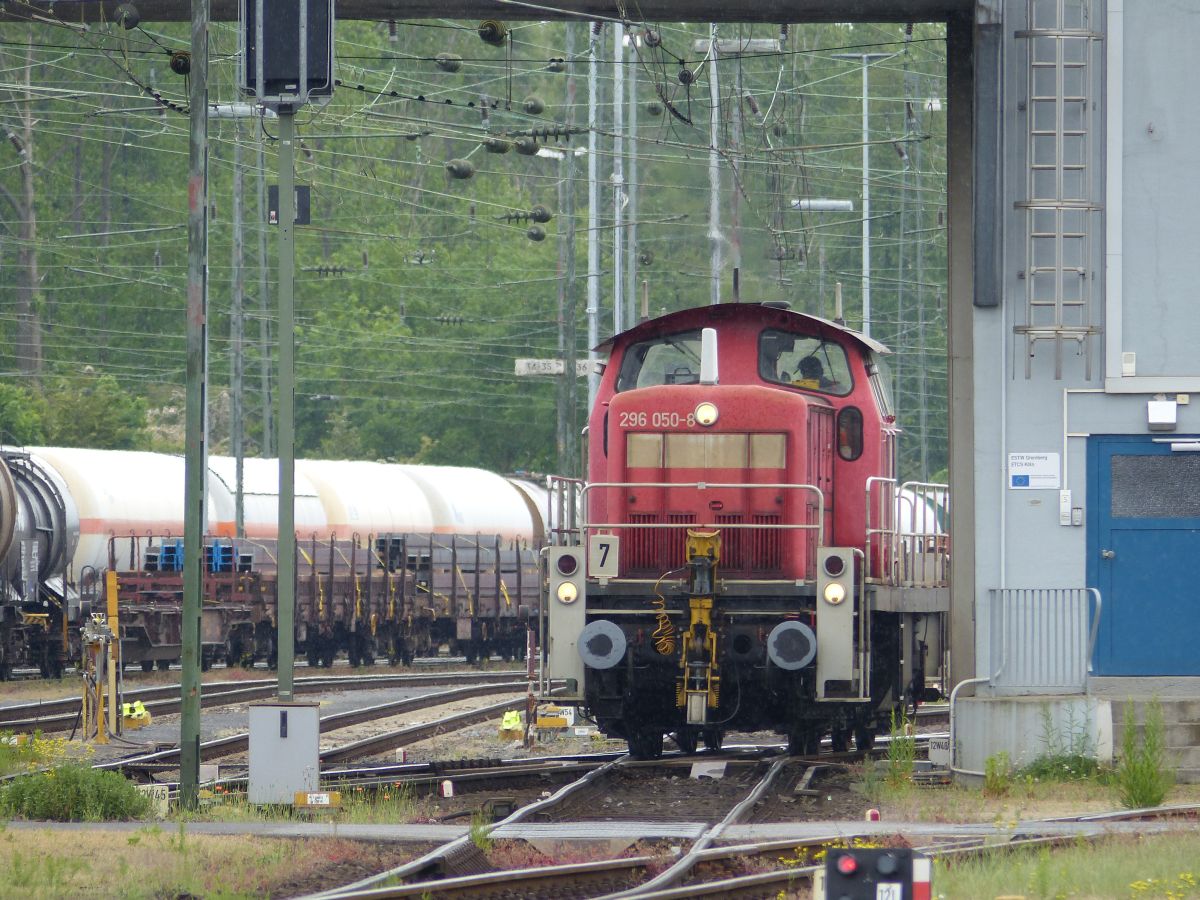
<point x="284" y="751"/>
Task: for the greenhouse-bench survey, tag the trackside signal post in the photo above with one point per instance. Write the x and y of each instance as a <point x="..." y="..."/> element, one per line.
<point x="287" y="57"/>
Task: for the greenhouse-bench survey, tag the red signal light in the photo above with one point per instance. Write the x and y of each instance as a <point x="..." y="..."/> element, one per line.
<point x="847" y="864"/>
<point x="567" y="565"/>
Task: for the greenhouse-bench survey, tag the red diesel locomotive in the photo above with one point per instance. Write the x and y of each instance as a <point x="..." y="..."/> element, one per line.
<point x="741" y="555"/>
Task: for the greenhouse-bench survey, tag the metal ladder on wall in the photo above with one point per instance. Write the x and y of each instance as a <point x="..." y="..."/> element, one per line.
<point x="1063" y="207"/>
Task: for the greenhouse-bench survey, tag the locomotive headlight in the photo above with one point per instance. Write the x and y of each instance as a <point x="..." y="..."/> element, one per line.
<point x="834" y="593"/>
<point x="706" y="413"/>
<point x="567" y="592"/>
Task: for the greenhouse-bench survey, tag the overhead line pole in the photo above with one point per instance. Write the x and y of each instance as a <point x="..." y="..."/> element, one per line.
<point x="865" y="59"/>
<point x="618" y="178"/>
<point x="714" y="168"/>
<point x="237" y="324"/>
<point x="593" y="284"/>
<point x="286" y="591"/>
<point x="631" y="146"/>
<point x="195" y="452"/>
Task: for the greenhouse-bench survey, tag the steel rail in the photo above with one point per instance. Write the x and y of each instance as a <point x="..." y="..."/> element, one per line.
<point x="433" y="860"/>
<point x="60" y="715"/>
<point x="239" y="743"/>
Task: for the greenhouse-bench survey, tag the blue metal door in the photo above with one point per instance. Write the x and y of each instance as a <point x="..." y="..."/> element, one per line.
<point x="1143" y="553"/>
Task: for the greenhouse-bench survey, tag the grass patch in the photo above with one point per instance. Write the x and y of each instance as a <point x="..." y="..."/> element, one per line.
<point x="153" y="863"/>
<point x="901" y="753"/>
<point x="1135" y="867"/>
<point x="73" y="793"/>
<point x="386" y="805"/>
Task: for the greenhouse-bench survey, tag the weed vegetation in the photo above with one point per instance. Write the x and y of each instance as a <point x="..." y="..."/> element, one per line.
<point x="1144" y="773"/>
<point x="153" y="863"/>
<point x="73" y="793"/>
<point x="1143" y="866"/>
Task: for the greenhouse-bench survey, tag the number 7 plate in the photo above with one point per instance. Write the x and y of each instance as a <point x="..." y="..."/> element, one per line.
<point x="604" y="553"/>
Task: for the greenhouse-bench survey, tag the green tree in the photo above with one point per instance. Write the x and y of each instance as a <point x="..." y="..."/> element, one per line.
<point x="94" y="411"/>
<point x="22" y="415"/>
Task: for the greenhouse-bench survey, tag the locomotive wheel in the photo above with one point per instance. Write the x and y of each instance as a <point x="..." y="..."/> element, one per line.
<point x="840" y="740"/>
<point x="687" y="740"/>
<point x="147" y="665"/>
<point x="804" y="743"/>
<point x="646" y="744"/>
<point x="713" y="738"/>
<point x="164" y="665"/>
<point x="864" y="738"/>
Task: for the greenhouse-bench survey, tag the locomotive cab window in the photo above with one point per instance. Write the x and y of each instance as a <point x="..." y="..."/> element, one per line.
<point x="674" y="359"/>
<point x="806" y="362"/>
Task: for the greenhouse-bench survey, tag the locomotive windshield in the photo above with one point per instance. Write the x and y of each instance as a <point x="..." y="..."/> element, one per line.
<point x="674" y="359"/>
<point x="804" y="362"/>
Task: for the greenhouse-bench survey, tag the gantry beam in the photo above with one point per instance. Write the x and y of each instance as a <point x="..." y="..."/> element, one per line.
<point x="646" y="11"/>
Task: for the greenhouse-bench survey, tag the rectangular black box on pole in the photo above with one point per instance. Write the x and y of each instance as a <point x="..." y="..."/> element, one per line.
<point x="287" y="50"/>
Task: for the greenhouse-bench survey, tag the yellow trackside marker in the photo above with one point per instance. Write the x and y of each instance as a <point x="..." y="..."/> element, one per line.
<point x="318" y="799"/>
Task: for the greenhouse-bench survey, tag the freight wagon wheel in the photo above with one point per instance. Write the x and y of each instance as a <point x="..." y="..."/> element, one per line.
<point x="313" y="657"/>
<point x="864" y="738"/>
<point x="713" y="738"/>
<point x="646" y="744"/>
<point x="147" y="665"/>
<point x="840" y="740"/>
<point x="686" y="739"/>
<point x="164" y="665"/>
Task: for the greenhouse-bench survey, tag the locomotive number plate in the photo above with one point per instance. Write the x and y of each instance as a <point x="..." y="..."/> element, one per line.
<point x="604" y="552"/>
<point x="640" y="419"/>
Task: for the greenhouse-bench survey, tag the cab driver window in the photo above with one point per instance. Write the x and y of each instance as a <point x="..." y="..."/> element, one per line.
<point x="804" y="362"/>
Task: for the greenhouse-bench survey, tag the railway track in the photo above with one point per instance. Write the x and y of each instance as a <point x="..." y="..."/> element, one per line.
<point x="705" y="869"/>
<point x="60" y="715"/>
<point x="240" y="743"/>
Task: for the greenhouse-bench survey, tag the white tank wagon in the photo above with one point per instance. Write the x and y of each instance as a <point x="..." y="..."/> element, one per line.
<point x="392" y="559"/>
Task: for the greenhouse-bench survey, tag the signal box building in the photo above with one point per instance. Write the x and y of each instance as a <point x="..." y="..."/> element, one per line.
<point x="1076" y="458"/>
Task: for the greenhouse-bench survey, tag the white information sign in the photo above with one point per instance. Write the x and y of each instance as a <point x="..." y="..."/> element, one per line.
<point x="604" y="554"/>
<point x="548" y="367"/>
<point x="939" y="751"/>
<point x="1033" y="471"/>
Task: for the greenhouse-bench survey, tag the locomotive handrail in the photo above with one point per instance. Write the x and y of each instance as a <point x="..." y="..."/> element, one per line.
<point x="894" y="552"/>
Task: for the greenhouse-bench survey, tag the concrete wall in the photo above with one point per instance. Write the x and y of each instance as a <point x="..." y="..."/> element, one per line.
<point x="1142" y="256"/>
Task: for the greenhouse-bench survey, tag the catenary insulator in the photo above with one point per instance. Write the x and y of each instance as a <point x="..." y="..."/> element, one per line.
<point x="496" y="145"/>
<point x="646" y="257"/>
<point x="127" y="16"/>
<point x="654" y="108"/>
<point x="540" y="214"/>
<point x="686" y="76"/>
<point x="448" y="62"/>
<point x="536" y="233"/>
<point x="493" y="32"/>
<point x="652" y="38"/>
<point x="460" y="168"/>
<point x="533" y="105"/>
<point x="526" y="146"/>
<point x="556" y="65"/>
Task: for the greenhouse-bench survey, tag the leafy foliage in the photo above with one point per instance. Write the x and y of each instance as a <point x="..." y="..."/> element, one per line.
<point x="73" y="793"/>
<point x="416" y="291"/>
